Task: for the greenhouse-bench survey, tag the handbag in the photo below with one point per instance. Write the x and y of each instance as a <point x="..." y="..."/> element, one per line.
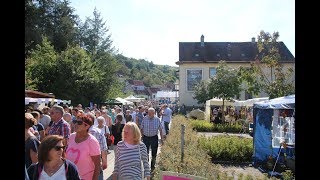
<point x="110" y="139"/>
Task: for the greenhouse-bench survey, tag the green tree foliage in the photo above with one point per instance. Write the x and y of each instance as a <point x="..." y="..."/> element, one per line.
<point x="201" y="93"/>
<point x="41" y="67"/>
<point x="83" y="81"/>
<point x="150" y="73"/>
<point x="225" y="85"/>
<point x="64" y="25"/>
<point x="77" y="61"/>
<point x="54" y="19"/>
<point x="31" y="30"/>
<point x="267" y="74"/>
<point x="69" y="75"/>
<point x="95" y="36"/>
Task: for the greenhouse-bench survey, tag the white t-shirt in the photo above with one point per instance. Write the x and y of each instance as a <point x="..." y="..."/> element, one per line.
<point x="59" y="175"/>
<point x="103" y="130"/>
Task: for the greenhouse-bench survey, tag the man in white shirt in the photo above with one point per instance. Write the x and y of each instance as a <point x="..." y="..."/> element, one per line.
<point x="166" y="117"/>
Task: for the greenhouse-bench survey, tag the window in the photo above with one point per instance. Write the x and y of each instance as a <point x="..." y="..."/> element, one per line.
<point x="194" y="76"/>
<point x="212" y="72"/>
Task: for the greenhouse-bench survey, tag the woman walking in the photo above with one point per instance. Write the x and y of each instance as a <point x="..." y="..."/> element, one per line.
<point x="131" y="157"/>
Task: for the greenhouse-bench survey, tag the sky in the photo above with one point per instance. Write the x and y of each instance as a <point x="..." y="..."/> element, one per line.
<point x="152" y="29"/>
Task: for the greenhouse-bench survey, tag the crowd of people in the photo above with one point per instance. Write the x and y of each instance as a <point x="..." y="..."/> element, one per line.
<point x="73" y="143"/>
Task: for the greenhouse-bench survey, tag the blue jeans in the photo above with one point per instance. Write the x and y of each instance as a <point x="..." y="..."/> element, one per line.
<point x="101" y="175"/>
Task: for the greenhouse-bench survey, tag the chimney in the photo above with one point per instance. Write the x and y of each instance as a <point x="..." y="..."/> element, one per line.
<point x="202" y="40"/>
<point x="253" y="39"/>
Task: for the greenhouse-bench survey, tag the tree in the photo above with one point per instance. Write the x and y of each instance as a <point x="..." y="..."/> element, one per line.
<point x="201" y="92"/>
<point x="54" y="19"/>
<point x="64" y="23"/>
<point x="224" y="85"/>
<point x="266" y="73"/>
<point x="70" y="74"/>
<point x="41" y="67"/>
<point x="94" y="35"/>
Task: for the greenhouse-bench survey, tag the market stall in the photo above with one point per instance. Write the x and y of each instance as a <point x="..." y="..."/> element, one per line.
<point x="274" y="131"/>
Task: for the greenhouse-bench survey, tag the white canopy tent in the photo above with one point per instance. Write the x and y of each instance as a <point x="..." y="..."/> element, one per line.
<point x="167" y="94"/>
<point x="123" y="101"/>
<point x="219" y="102"/>
<point x="216" y="102"/>
<point x="250" y="102"/>
<point x="28" y="100"/>
<point x="132" y="98"/>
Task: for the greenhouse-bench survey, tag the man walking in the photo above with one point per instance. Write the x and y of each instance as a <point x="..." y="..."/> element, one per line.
<point x="166" y="117"/>
<point x="150" y="127"/>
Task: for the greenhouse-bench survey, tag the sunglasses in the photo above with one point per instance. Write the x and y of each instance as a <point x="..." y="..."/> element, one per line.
<point x="58" y="148"/>
<point x="79" y="122"/>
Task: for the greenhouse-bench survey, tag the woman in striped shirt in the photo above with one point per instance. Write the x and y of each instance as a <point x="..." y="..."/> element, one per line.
<point x="129" y="155"/>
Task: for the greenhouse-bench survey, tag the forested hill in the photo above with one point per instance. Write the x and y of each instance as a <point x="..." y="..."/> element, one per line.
<point x="150" y="73"/>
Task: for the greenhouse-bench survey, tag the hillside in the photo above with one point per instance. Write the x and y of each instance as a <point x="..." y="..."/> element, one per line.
<point x="150" y="73"/>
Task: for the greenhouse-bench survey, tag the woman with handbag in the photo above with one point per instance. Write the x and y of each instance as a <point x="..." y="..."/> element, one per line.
<point x="131" y="157"/>
<point x="104" y="130"/>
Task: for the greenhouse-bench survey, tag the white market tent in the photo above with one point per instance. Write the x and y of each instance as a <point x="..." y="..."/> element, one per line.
<point x="249" y="102"/>
<point x="167" y="94"/>
<point x="28" y="100"/>
<point x="123" y="101"/>
<point x="132" y="98"/>
<point x="216" y="102"/>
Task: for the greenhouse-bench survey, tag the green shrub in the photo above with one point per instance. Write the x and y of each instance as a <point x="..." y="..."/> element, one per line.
<point x="196" y="161"/>
<point x="228" y="148"/>
<point x="205" y="126"/>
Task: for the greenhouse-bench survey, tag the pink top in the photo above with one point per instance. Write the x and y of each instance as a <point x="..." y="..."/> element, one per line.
<point x="80" y="154"/>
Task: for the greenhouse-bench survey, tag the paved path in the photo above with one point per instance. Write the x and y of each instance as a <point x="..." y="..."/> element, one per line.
<point x="108" y="172"/>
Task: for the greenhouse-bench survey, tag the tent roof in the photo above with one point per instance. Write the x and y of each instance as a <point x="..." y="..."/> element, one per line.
<point x="111" y="102"/>
<point x="133" y="98"/>
<point x="286" y="102"/>
<point x="167" y="94"/>
<point x="28" y="100"/>
<point x="250" y="102"/>
<point x="219" y="102"/>
<point x="123" y="101"/>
